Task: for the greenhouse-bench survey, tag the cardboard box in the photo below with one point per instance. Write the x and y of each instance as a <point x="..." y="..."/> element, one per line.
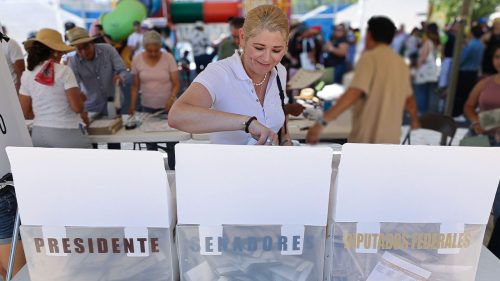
<point x="105" y="126"/>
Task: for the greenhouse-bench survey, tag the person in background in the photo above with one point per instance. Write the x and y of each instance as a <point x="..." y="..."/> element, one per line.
<point x="486" y="96"/>
<point x="491" y="40"/>
<point x="15" y="59"/>
<point x="65" y="57"/>
<point x="100" y="36"/>
<point x="199" y="43"/>
<point x="291" y="59"/>
<point x="67" y="26"/>
<point x="50" y="95"/>
<point x="398" y="42"/>
<point x="185" y="68"/>
<point x="337" y="49"/>
<point x="352" y="40"/>
<point x="447" y="55"/>
<point x="380" y="92"/>
<point x="254" y="113"/>
<point x="134" y="40"/>
<point x="98" y="69"/>
<point x="470" y="65"/>
<point x="155" y="75"/>
<point x="8" y="210"/>
<point x="427" y="73"/>
<point x="232" y="43"/>
<point x="411" y="47"/>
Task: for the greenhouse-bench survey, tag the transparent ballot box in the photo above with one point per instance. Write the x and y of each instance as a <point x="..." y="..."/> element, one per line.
<point x="89" y="253"/>
<point x="251" y="253"/>
<point x="409" y="212"/>
<point x="404" y="251"/>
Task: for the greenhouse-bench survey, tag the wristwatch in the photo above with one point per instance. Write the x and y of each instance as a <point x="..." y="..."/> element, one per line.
<point x="248" y="122"/>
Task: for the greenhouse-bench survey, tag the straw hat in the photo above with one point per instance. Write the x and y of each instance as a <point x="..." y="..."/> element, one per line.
<point x="78" y="35"/>
<point x="50" y="38"/>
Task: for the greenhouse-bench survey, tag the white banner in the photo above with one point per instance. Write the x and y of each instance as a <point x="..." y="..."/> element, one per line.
<point x="13" y="131"/>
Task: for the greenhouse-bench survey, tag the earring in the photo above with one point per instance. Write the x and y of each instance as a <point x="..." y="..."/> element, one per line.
<point x="56" y="54"/>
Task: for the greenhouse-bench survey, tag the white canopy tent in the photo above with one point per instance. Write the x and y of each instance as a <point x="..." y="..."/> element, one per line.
<point x="409" y="13"/>
<point x="24" y="16"/>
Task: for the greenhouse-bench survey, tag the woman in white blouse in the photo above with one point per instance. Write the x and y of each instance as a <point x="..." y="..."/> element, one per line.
<point x="240" y="99"/>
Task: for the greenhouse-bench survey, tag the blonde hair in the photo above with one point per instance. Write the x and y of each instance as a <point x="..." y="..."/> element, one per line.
<point x="266" y="17"/>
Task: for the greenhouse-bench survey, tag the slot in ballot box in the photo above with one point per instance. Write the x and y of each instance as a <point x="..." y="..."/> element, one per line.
<point x="94" y="214"/>
<point x="410" y="212"/>
<point x="251" y="212"/>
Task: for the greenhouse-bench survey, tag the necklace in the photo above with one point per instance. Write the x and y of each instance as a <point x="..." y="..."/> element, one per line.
<point x="261" y="82"/>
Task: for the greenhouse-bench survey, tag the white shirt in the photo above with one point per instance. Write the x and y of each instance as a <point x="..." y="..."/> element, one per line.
<point x="232" y="91"/>
<point x="135" y="41"/>
<point x="13" y="53"/>
<point x="199" y="42"/>
<point x="50" y="103"/>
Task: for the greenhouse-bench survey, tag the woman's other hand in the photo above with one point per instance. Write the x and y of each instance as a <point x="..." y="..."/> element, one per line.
<point x="262" y="134"/>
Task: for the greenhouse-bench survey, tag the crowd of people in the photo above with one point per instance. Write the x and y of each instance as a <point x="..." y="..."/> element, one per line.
<point x="241" y="98"/>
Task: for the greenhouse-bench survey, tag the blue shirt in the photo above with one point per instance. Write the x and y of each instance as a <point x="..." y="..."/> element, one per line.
<point x="471" y="56"/>
<point x="95" y="76"/>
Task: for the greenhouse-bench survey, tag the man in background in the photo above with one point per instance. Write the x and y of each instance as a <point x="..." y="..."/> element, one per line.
<point x="380" y="92"/>
<point x="231" y="43"/>
<point x="98" y="69"/>
<point x="134" y="40"/>
<point x="199" y="43"/>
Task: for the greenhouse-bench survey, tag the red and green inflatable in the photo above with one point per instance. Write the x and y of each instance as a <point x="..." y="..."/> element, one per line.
<point x="208" y="12"/>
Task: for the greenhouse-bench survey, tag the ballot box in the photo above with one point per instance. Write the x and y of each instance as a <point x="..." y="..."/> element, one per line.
<point x="409" y="212"/>
<point x="94" y="214"/>
<point x="252" y="212"/>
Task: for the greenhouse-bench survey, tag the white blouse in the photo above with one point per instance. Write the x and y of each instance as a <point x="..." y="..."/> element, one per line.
<point x="232" y="91"/>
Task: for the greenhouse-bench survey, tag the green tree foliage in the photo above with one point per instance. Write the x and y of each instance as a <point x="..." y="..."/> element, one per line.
<point x="304" y="6"/>
<point x="482" y="8"/>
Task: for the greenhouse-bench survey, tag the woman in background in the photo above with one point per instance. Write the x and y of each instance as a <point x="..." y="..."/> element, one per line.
<point x="156" y="76"/>
<point x="50" y="95"/>
<point x="426" y="75"/>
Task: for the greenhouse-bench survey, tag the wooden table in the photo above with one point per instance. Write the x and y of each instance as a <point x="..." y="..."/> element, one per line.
<point x="338" y="129"/>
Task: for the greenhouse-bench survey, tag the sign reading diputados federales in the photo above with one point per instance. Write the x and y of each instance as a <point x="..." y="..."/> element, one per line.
<point x="13" y="131"/>
<point x="405" y="241"/>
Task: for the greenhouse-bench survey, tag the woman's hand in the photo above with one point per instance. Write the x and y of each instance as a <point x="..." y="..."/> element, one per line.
<point x="85" y="118"/>
<point x="131" y="110"/>
<point x="314" y="133"/>
<point x="168" y="105"/>
<point x="262" y="134"/>
<point x="477" y="128"/>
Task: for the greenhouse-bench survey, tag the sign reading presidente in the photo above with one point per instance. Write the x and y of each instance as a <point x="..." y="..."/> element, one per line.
<point x="96" y="245"/>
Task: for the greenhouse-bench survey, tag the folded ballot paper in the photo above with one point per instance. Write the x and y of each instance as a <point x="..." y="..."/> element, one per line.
<point x="490" y="119"/>
<point x="394" y="268"/>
